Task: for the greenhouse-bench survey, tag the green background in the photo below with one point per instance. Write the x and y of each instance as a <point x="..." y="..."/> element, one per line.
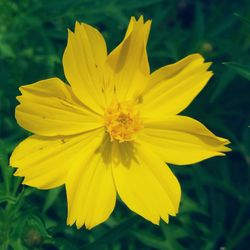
<point x="214" y="211"/>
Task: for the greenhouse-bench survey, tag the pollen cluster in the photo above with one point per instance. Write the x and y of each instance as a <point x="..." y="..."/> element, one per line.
<point x="122" y="121"/>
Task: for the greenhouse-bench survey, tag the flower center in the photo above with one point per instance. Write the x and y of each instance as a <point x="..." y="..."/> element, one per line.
<point x="122" y="121"/>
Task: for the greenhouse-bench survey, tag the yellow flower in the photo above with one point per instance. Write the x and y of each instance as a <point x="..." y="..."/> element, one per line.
<point x="114" y="126"/>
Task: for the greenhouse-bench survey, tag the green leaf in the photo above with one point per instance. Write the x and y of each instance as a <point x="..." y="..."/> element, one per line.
<point x="198" y="27"/>
<point x="241" y="69"/>
<point x="115" y="233"/>
<point x="4" y="166"/>
<point x="149" y="240"/>
<point x="243" y="19"/>
<point x="60" y="243"/>
<point x="190" y="206"/>
<point x="225" y="79"/>
<point x="137" y="4"/>
<point x="51" y="198"/>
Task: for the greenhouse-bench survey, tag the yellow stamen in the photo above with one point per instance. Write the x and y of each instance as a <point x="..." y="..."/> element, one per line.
<point x="122" y="121"/>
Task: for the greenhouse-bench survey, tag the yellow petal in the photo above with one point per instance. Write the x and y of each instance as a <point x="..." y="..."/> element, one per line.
<point x="181" y="140"/>
<point x="127" y="68"/>
<point x="172" y="70"/>
<point x="49" y="108"/>
<point x="83" y="62"/>
<point x="131" y="26"/>
<point x="173" y="87"/>
<point x="46" y="161"/>
<point x="90" y="188"/>
<point x="144" y="182"/>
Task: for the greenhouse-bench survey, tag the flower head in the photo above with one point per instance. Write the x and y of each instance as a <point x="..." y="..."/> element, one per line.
<point x="122" y="121"/>
<point x="113" y="127"/>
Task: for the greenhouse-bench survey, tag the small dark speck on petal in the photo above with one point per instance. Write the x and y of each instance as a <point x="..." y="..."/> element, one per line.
<point x="63" y="141"/>
<point x="140" y="99"/>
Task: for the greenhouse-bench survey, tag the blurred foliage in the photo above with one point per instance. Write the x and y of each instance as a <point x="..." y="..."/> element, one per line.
<point x="214" y="212"/>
